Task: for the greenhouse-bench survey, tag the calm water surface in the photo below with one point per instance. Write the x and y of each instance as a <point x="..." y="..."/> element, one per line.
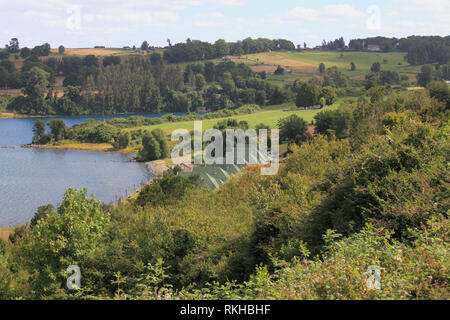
<point x="30" y="178"/>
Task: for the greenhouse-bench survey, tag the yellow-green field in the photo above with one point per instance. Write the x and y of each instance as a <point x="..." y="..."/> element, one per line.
<point x="309" y="61"/>
<point x="269" y="116"/>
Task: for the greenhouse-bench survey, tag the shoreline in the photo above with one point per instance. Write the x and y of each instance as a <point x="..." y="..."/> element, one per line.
<point x="82" y="146"/>
<point x="9" y="115"/>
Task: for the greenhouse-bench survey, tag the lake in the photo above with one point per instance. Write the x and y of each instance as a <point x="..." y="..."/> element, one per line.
<point x="31" y="177"/>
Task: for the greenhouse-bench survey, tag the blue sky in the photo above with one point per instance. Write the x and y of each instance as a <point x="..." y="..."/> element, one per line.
<point x="116" y="23"/>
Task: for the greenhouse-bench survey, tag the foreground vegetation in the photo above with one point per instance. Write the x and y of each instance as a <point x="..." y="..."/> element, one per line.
<point x="372" y="189"/>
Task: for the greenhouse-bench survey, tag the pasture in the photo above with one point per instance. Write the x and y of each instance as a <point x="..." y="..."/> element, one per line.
<point x="268" y="116"/>
<point x="305" y="64"/>
<point x="88" y="51"/>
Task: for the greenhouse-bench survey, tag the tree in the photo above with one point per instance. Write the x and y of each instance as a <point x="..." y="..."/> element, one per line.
<point x="13" y="45"/>
<point x="280" y="70"/>
<point x="36" y="83"/>
<point x="292" y="129"/>
<point x="308" y="95"/>
<point x="160" y="136"/>
<point x="371" y="80"/>
<point x="425" y="76"/>
<point x="440" y="91"/>
<point x="38" y="131"/>
<point x="222" y="48"/>
<point x="122" y="140"/>
<point x="151" y="149"/>
<point x="352" y="66"/>
<point x="329" y="94"/>
<point x="58" y="129"/>
<point x="4" y="55"/>
<point x="389" y="77"/>
<point x="3" y="77"/>
<point x="42" y="50"/>
<point x="25" y="52"/>
<point x="322" y="102"/>
<point x="200" y="82"/>
<point x="61" y="49"/>
<point x="376" y="67"/>
<point x="156" y="58"/>
<point x="66" y="237"/>
<point x="322" y="68"/>
<point x="144" y="45"/>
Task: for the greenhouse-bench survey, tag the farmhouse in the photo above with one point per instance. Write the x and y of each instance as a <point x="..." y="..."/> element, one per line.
<point x="373" y="47"/>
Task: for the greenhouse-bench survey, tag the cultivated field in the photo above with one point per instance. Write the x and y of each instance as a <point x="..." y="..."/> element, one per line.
<point x="305" y="64"/>
<point x="88" y="51"/>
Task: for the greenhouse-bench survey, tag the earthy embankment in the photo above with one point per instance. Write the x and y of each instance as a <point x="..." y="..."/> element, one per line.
<point x="5" y="232"/>
<point x="7" y="115"/>
<point x="158" y="167"/>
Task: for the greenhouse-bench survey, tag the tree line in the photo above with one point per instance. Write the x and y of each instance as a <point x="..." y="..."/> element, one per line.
<point x="195" y="50"/>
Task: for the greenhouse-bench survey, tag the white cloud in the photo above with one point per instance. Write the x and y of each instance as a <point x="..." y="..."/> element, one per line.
<point x="339" y="12"/>
<point x="303" y="13"/>
<point x="436" y="6"/>
<point x="211" y="20"/>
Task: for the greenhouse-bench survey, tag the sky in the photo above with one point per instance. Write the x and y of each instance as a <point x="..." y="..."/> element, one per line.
<point x="118" y="23"/>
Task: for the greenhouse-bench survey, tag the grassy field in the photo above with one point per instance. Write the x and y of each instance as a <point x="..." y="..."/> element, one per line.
<point x="308" y="62"/>
<point x="269" y="116"/>
<point x="94" y="51"/>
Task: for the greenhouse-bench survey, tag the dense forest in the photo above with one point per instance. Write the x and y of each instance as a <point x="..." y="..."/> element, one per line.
<point x="157" y="83"/>
<point x="194" y="50"/>
<point x="370" y="189"/>
<point x="139" y="84"/>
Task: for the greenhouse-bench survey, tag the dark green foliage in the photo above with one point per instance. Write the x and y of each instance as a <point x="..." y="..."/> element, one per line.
<point x="329" y="94"/>
<point x="150" y="149"/>
<point x="161" y="137"/>
<point x="122" y="140"/>
<point x="372" y="80"/>
<point x="308" y="95"/>
<point x="199" y="50"/>
<point x="58" y="129"/>
<point x="41" y="213"/>
<point x="292" y="129"/>
<point x="389" y="78"/>
<point x="39" y="136"/>
<point x="425" y="76"/>
<point x="440" y="91"/>
<point x="322" y="68"/>
<point x="376" y="67"/>
<point x="280" y="70"/>
<point x="332" y="122"/>
<point x="163" y="191"/>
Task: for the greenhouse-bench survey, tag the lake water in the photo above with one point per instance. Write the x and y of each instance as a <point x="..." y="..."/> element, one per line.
<point x="30" y="177"/>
